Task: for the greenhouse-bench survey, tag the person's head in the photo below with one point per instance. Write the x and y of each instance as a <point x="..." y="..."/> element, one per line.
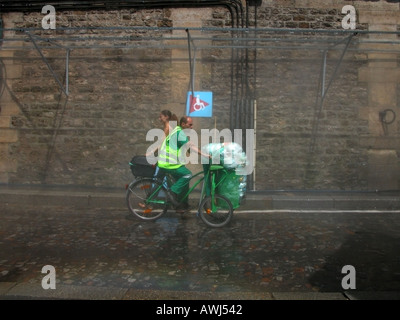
<point x="186" y="122"/>
<point x="165" y="116"/>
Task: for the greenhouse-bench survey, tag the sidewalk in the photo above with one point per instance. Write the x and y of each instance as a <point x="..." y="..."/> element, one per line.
<point x="11" y="291"/>
<point x="28" y="291"/>
<point x="323" y="200"/>
<point x="255" y="201"/>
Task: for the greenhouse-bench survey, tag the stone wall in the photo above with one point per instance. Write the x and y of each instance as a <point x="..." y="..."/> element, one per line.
<point x="116" y="93"/>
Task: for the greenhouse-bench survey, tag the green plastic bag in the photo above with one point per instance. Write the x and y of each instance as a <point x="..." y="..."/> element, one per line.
<point x="229" y="187"/>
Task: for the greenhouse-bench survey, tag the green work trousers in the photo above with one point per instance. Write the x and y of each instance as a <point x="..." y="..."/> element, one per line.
<point x="182" y="177"/>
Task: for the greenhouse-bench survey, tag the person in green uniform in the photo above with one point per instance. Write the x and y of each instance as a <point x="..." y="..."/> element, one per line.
<point x="170" y="159"/>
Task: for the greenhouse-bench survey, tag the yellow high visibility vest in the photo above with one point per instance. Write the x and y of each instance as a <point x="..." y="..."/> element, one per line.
<point x="168" y="157"/>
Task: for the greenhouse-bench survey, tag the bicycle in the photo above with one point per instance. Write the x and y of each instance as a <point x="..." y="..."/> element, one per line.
<point x="148" y="198"/>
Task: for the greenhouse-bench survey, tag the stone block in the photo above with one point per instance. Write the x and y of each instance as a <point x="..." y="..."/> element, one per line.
<point x="5" y="121"/>
<point x="384" y="17"/>
<point x="189" y="15"/>
<point x="383" y="75"/>
<point x="382" y="95"/>
<point x="6" y="53"/>
<point x="383" y="170"/>
<point x="8" y="135"/>
<point x="14" y="71"/>
<point x="8" y="165"/>
<point x="382" y="157"/>
<point x="4" y="179"/>
<point x="9" y="109"/>
<point x="383" y="60"/>
<point x="380" y="143"/>
<point x="10" y="18"/>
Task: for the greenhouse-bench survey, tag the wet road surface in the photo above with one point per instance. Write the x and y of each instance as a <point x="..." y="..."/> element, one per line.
<point x="257" y="252"/>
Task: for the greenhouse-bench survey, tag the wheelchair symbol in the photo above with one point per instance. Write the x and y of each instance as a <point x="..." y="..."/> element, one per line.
<point x="198" y="105"/>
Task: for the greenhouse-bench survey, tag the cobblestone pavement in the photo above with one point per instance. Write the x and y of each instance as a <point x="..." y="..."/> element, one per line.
<point x="257" y="252"/>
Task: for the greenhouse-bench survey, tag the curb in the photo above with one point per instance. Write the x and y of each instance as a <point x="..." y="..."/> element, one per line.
<point x="30" y="291"/>
<point x="254" y="201"/>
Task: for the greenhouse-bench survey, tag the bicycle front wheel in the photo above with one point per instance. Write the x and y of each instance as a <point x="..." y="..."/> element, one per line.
<point x="217" y="213"/>
<point x="146" y="199"/>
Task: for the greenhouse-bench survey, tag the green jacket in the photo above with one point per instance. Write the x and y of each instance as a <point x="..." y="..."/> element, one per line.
<point x="171" y="149"/>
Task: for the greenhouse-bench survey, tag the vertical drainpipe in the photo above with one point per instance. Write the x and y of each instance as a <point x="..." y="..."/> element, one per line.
<point x="251" y="96"/>
<point x="253" y="182"/>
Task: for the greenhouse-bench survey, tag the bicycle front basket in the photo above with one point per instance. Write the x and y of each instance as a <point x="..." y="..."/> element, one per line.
<point x="141" y="168"/>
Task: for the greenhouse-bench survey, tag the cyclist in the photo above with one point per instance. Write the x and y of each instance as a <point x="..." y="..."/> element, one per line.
<point x="170" y="161"/>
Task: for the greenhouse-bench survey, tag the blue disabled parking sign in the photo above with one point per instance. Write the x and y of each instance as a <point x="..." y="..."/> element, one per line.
<point x="199" y="104"/>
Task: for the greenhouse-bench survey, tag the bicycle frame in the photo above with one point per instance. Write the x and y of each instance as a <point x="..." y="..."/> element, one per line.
<point x="214" y="185"/>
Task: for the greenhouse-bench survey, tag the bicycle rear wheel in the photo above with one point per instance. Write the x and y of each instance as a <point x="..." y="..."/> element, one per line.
<point x="146" y="199"/>
<point x="222" y="213"/>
